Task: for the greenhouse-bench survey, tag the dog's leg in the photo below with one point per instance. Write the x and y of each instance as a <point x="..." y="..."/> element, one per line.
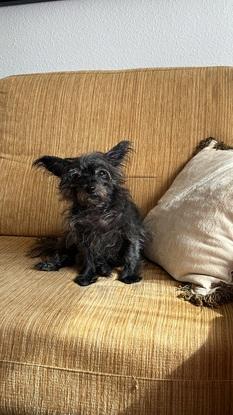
<point x="55" y="263"/>
<point x="88" y="273"/>
<point x="103" y="268"/>
<point x="130" y="272"/>
<point x="87" y="276"/>
<point x="54" y="254"/>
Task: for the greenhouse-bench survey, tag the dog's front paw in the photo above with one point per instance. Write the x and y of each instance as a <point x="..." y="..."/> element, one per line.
<point x="130" y="279"/>
<point x="83" y="280"/>
<point x="46" y="266"/>
<point x="104" y="270"/>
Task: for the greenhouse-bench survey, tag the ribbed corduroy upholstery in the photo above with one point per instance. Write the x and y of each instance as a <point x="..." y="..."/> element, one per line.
<point x="107" y="349"/>
<point x="164" y="112"/>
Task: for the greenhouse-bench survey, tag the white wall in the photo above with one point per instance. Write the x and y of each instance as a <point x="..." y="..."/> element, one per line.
<point x="100" y="34"/>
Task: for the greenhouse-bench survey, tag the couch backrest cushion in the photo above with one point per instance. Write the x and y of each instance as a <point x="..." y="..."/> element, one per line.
<point x="165" y="112"/>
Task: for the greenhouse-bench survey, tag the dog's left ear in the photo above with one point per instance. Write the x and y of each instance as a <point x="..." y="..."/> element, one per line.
<point x="53" y="164"/>
<point x="119" y="152"/>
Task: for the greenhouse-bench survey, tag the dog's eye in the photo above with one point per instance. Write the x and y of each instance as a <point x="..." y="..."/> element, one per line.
<point x="102" y="173"/>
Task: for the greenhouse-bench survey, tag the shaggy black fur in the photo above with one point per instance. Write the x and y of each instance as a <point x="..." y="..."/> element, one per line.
<point x="104" y="226"/>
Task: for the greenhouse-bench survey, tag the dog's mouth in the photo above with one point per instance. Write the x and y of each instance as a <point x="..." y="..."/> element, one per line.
<point x="92" y="195"/>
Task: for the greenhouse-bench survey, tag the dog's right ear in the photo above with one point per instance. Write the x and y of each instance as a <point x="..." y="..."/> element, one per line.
<point x="53" y="164"/>
<point x="119" y="152"/>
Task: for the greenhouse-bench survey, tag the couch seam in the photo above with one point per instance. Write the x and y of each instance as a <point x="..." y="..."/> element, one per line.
<point x="116" y="375"/>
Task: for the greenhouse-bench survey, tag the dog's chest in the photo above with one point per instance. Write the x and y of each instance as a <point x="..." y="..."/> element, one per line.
<point x="99" y="234"/>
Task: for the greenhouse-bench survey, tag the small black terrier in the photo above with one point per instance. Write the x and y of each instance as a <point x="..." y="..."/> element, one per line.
<point x="105" y="229"/>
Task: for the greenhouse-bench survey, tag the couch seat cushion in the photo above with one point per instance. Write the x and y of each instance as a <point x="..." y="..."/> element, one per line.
<point x="108" y="348"/>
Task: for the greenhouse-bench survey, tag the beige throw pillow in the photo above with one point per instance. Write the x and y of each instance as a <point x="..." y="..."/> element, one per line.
<point x="192" y="227"/>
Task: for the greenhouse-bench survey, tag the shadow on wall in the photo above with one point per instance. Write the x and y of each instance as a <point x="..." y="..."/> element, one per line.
<point x="203" y="385"/>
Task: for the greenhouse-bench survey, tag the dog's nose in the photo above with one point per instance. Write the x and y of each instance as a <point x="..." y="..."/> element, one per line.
<point x="92" y="188"/>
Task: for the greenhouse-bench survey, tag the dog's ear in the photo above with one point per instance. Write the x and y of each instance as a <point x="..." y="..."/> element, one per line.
<point x="53" y="164"/>
<point x="119" y="152"/>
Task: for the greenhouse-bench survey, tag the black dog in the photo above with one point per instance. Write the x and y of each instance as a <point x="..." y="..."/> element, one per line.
<point x="104" y="226"/>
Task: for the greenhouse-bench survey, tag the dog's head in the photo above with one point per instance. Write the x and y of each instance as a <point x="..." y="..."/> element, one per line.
<point x="91" y="179"/>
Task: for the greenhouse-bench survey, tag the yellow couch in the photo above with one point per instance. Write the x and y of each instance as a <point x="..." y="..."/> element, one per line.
<point x="109" y="348"/>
